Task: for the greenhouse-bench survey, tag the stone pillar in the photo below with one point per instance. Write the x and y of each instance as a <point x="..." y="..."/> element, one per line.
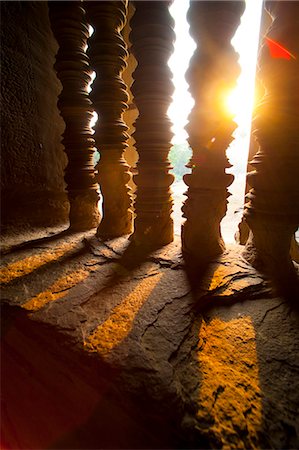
<point x="71" y="31"/>
<point x="152" y="39"/>
<point x="272" y="209"/>
<point x="131" y="114"/>
<point x="107" y="51"/>
<point x="212" y="74"/>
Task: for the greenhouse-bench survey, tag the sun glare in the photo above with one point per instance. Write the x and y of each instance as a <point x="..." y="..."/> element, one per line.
<point x="238" y="103"/>
<point x="232" y="103"/>
<point x="184" y="47"/>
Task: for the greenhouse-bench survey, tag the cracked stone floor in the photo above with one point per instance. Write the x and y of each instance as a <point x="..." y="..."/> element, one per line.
<point x="106" y="349"/>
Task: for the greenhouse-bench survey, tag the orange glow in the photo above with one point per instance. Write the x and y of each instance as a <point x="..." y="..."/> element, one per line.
<point x="277" y="50"/>
<point x="120" y="322"/>
<point x="58" y="290"/>
<point x="28" y="265"/>
<point x="229" y="395"/>
<point x="219" y="278"/>
<point x="238" y="107"/>
<point x="232" y="103"/>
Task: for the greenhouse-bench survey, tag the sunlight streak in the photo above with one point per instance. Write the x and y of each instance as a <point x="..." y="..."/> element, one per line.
<point x="57" y="290"/>
<point x="28" y="265"/>
<point x="120" y="322"/>
<point x="229" y="397"/>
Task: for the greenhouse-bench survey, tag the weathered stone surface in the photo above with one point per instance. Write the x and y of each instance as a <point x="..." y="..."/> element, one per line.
<point x="107" y="51"/>
<point x="71" y="30"/>
<point x="32" y="160"/>
<point x="271" y="325"/>
<point x="213" y="364"/>
<point x="152" y="39"/>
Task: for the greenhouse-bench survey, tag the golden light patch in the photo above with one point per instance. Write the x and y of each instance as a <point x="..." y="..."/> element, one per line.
<point x="31" y="263"/>
<point x="230" y="396"/>
<point x="58" y="290"/>
<point x="112" y="332"/>
<point x="218" y="278"/>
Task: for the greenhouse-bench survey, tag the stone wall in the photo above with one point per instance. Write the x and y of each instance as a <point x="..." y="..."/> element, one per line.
<point x="33" y="161"/>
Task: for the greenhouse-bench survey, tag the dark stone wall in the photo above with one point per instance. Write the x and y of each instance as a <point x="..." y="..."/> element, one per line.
<point x="33" y="161"/>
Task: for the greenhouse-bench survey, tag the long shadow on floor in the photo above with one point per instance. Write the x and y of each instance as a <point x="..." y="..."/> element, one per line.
<point x="36" y="242"/>
<point x="180" y="375"/>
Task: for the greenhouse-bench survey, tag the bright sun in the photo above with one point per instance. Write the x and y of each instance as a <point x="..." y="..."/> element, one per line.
<point x="238" y="103"/>
<point x="232" y="103"/>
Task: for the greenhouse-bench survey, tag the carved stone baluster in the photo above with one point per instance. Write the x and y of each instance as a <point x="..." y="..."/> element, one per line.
<point x="272" y="209"/>
<point x="152" y="39"/>
<point x="211" y="75"/>
<point x="107" y="51"/>
<point x="71" y="31"/>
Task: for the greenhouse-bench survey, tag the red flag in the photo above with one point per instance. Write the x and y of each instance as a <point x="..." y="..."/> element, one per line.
<point x="277" y="50"/>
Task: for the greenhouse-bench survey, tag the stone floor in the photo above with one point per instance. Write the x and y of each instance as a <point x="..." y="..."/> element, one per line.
<point x="107" y="348"/>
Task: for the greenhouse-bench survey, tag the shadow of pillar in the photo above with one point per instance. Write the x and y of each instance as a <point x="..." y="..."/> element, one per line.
<point x="277" y="343"/>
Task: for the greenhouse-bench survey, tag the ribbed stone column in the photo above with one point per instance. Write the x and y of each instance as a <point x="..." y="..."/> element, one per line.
<point x="71" y="31"/>
<point x="212" y="74"/>
<point x="152" y="39"/>
<point x="272" y="209"/>
<point x="107" y="51"/>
